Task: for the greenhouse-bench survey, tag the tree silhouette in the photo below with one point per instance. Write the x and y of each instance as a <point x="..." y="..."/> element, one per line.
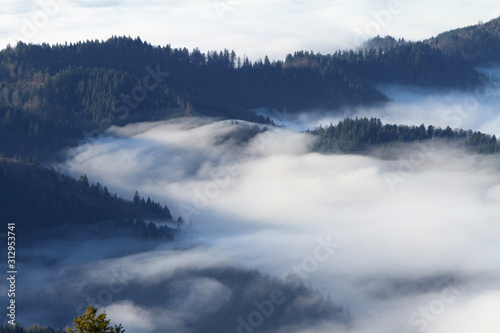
<point x="137" y="198"/>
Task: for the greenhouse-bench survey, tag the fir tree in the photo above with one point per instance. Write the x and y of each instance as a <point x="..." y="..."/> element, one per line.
<point x="91" y="322"/>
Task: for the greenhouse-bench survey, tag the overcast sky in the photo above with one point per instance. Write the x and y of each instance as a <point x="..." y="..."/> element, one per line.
<point x="252" y="27"/>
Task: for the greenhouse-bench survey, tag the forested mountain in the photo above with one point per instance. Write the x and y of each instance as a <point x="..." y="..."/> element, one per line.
<point x="479" y="44"/>
<point x="355" y="135"/>
<point x="51" y="96"/>
<point x="406" y="63"/>
<point x="37" y="198"/>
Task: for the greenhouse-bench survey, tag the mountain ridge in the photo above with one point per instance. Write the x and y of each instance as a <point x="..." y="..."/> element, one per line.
<point x="52" y="97"/>
<point x="479" y="44"/>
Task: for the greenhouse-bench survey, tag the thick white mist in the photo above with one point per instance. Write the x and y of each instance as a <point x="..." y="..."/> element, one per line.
<point x="400" y="232"/>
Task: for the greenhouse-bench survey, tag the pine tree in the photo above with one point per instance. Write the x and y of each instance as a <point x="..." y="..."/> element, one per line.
<point x="137" y="198"/>
<point x="84" y="180"/>
<point x="90" y="322"/>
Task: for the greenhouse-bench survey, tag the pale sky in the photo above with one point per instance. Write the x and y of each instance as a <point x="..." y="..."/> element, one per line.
<point x="250" y="27"/>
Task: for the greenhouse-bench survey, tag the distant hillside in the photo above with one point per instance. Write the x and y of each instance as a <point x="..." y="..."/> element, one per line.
<point x="37" y="198"/>
<point x="53" y="96"/>
<point x="359" y="134"/>
<point x="406" y="63"/>
<point x="93" y="77"/>
<point x="479" y="44"/>
<point x="241" y="293"/>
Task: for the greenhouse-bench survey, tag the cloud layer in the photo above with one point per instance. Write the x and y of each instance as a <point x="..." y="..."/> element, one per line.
<point x="414" y="240"/>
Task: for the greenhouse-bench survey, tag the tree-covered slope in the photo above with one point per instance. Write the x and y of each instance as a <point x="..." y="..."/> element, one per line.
<point x="215" y="81"/>
<point x="479" y="44"/>
<point x="37" y="198"/>
<point x="356" y="135"/>
<point x="404" y="63"/>
<point x="52" y="96"/>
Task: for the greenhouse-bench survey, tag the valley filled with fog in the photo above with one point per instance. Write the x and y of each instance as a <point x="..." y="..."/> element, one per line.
<point x="476" y="109"/>
<point x="406" y="244"/>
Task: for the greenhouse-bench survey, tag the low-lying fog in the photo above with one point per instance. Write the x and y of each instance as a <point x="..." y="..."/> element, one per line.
<point x="476" y="109"/>
<point x="408" y="245"/>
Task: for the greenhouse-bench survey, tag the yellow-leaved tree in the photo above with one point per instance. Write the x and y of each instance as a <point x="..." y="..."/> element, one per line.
<point x="91" y="322"/>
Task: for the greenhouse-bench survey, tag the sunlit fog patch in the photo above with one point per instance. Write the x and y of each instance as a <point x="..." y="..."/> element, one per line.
<point x="493" y="193"/>
<point x="472" y="109"/>
<point x="152" y="267"/>
<point x="476" y="313"/>
<point x="133" y="317"/>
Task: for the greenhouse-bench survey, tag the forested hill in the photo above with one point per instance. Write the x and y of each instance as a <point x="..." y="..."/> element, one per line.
<point x="404" y="63"/>
<point x="92" y="76"/>
<point x="356" y="135"/>
<point x="37" y="198"/>
<point x="52" y="96"/>
<point x="479" y="44"/>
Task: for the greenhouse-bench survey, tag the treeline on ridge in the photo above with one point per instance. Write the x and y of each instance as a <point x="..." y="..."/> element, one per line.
<point x="479" y="44"/>
<point x="37" y="198"/>
<point x="50" y="96"/>
<point x="354" y="135"/>
<point x="403" y="63"/>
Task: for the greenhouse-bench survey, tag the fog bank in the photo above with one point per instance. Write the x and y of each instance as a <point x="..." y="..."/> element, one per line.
<point x="402" y="236"/>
